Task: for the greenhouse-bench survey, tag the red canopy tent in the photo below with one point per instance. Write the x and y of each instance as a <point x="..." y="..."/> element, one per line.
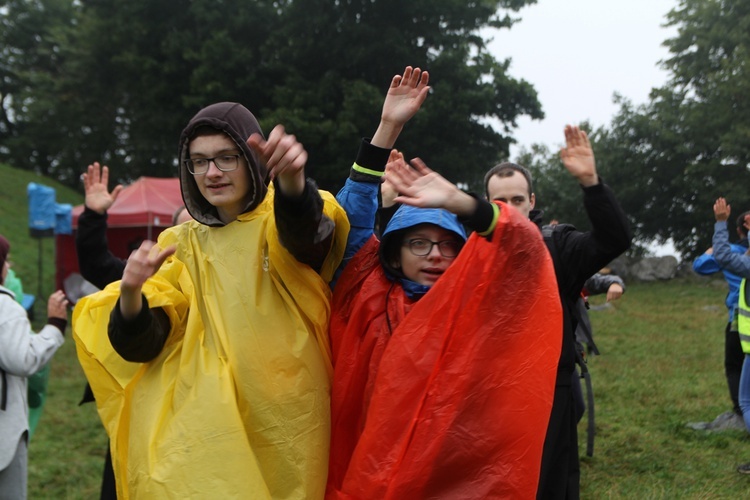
<point x="142" y="211"/>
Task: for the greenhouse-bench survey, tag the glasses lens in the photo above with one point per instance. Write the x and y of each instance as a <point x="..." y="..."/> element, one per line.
<point x="420" y="247"/>
<point x="226" y="162"/>
<point x="449" y="248"/>
<point x="197" y="166"/>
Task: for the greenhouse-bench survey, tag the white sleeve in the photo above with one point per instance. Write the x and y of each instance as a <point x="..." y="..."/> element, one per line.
<point x="22" y="352"/>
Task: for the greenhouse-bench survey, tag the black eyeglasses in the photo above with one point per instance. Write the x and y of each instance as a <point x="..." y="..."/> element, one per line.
<point x="225" y="163"/>
<point x="422" y="247"/>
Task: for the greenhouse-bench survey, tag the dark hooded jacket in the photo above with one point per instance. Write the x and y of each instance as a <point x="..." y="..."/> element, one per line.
<point x="238" y="123"/>
<point x="303" y="229"/>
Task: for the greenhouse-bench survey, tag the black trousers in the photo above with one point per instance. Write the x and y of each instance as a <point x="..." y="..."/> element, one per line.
<point x="733" y="359"/>
<point x="560" y="476"/>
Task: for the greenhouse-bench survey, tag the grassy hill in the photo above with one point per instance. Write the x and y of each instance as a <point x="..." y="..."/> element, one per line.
<point x="14" y="225"/>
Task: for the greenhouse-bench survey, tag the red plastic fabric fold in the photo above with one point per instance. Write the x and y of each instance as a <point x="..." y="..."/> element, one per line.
<point x="450" y="396"/>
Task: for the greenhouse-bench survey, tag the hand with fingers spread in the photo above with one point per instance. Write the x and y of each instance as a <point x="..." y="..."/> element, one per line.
<point x="404" y="98"/>
<point x="142" y="264"/>
<point x="421" y="187"/>
<point x="284" y="157"/>
<point x="578" y="156"/>
<point x="98" y="197"/>
<point x="57" y="305"/>
<point x="722" y="210"/>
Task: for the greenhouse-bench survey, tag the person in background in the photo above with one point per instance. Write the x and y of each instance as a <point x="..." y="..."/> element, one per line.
<point x="600" y="283"/>
<point x="22" y="353"/>
<point x="99" y="266"/>
<point x="706" y="264"/>
<point x="738" y="264"/>
<point x="576" y="255"/>
<point x="210" y="360"/>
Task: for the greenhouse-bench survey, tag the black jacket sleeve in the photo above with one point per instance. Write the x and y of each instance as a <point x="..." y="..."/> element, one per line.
<point x="600" y="283"/>
<point x="303" y="229"/>
<point x="142" y="338"/>
<point x="584" y="253"/>
<point x="97" y="264"/>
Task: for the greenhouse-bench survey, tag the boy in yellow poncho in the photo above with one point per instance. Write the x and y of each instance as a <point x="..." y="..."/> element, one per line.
<point x="210" y="360"/>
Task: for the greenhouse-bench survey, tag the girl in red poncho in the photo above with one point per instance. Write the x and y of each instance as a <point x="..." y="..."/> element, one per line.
<point x="444" y="363"/>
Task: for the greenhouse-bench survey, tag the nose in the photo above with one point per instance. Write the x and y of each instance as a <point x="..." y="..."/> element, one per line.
<point x="434" y="253"/>
<point x="213" y="170"/>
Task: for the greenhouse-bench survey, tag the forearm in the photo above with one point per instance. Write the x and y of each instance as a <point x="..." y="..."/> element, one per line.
<point x="737" y="263"/>
<point x="303" y="229"/>
<point x="706" y="264"/>
<point x="386" y="134"/>
<point x="96" y="263"/>
<point x="359" y="196"/>
<point x="610" y="227"/>
<point x="600" y="283"/>
<point x="23" y="352"/>
<point x="483" y="218"/>
<point x="141" y="338"/>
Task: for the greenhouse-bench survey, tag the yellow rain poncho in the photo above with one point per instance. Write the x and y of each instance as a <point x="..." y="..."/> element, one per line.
<point x="237" y="403"/>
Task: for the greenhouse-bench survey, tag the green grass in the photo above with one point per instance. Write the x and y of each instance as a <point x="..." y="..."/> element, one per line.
<point x="14" y="225"/>
<point x="661" y="366"/>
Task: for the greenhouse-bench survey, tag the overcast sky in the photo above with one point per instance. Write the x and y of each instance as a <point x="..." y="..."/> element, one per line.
<point x="578" y="53"/>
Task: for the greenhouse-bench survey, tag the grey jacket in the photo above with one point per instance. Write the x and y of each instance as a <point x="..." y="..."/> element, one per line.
<point x="22" y="353"/>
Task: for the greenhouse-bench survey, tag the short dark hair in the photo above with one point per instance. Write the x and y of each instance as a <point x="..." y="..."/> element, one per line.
<point x="741" y="223"/>
<point x="507" y="169"/>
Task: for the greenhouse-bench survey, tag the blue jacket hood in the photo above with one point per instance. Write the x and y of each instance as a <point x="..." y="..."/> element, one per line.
<point x="407" y="217"/>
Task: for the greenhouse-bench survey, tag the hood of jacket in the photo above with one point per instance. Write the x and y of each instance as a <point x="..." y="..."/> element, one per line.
<point x="405" y="218"/>
<point x="238" y="123"/>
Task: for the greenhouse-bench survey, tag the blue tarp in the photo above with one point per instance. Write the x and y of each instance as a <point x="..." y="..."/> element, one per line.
<point x="41" y="207"/>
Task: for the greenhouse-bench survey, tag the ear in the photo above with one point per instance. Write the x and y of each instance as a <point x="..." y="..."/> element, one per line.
<point x="532" y="200"/>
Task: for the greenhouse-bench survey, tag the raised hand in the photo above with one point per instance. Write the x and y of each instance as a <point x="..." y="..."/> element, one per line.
<point x="421" y="187"/>
<point x="57" y="305"/>
<point x="578" y="157"/>
<point x="722" y="210"/>
<point x="142" y="264"/>
<point x="404" y="98"/>
<point x="284" y="157"/>
<point x="388" y="192"/>
<point x="98" y="197"/>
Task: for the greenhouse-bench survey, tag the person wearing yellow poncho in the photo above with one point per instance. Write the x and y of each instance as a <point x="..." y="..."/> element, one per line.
<point x="226" y="389"/>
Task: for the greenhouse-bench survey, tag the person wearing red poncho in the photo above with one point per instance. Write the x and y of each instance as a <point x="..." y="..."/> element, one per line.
<point x="444" y="362"/>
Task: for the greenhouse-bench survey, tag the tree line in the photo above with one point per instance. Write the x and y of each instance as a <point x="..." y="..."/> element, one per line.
<point x="85" y="80"/>
<point x="670" y="158"/>
<point x="115" y="81"/>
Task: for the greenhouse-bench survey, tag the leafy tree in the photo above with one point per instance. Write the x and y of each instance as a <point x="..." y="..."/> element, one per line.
<point x="126" y="76"/>
<point x="671" y="158"/>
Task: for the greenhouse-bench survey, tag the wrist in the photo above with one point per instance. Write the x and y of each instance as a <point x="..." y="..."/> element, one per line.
<point x="386" y="134"/>
<point x="588" y="180"/>
<point x="461" y="204"/>
<point x="100" y="211"/>
<point x="292" y="186"/>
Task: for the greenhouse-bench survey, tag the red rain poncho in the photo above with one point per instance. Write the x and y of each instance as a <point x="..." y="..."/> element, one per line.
<point x="453" y="399"/>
